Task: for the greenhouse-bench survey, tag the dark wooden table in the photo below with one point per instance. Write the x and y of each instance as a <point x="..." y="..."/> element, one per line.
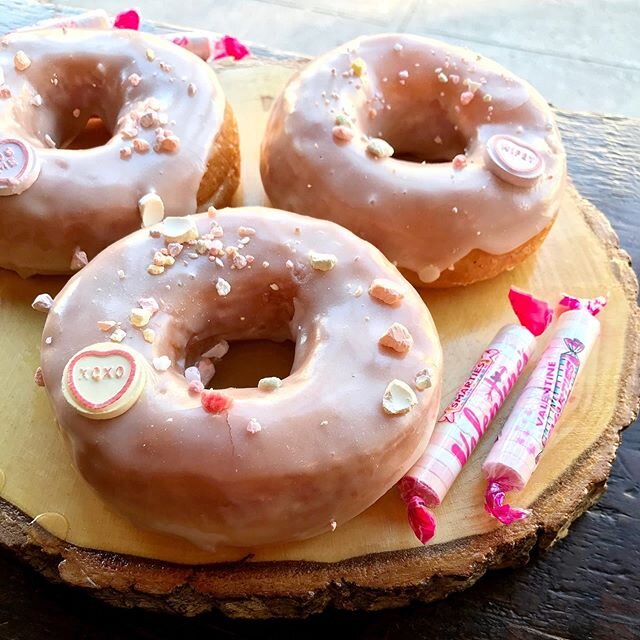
<point x="587" y="587"/>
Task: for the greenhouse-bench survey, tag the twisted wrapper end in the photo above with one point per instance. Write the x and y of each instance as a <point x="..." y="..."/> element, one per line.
<point x="421" y="520"/>
<point x="495" y="506"/>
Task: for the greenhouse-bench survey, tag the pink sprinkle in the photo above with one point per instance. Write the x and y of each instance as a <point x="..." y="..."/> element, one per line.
<point x="38" y="378"/>
<point x="341" y="132"/>
<point x="460" y="161"/>
<point x="454" y="78"/>
<point x="228" y="46"/>
<point x="78" y="260"/>
<point x="126" y="153"/>
<point x="465" y="98"/>
<point x="149" y="303"/>
<point x="127" y="20"/>
<point x="254" y="426"/>
<point x="134" y="79"/>
<point x="214" y="402"/>
<point x="196" y="387"/>
<point x="174" y="249"/>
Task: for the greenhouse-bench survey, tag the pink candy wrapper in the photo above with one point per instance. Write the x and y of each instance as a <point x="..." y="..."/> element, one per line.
<point x="516" y="452"/>
<point x="206" y="46"/>
<point x="466" y="419"/>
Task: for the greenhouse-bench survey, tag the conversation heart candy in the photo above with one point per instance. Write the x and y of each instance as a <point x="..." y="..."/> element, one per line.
<point x="19" y="166"/>
<point x="514" y="161"/>
<point x="104" y="381"/>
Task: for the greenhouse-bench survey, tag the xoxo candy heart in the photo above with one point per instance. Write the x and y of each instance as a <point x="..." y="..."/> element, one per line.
<point x="513" y="161"/>
<point x="19" y="166"/>
<point x="103" y="381"/>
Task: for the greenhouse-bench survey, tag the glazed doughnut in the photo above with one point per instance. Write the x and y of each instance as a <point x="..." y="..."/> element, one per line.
<point x="169" y="128"/>
<point x="287" y="460"/>
<point x="444" y="160"/>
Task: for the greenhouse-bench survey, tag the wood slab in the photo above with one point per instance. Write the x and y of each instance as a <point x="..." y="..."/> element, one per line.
<point x="50" y="516"/>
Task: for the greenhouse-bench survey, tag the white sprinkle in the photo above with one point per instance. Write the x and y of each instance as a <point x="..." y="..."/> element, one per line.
<point x="397" y="47"/>
<point x="322" y="261"/>
<point x="118" y="335"/>
<point x="149" y="303"/>
<point x="422" y="380"/>
<point x="398" y="398"/>
<point x="379" y="148"/>
<point x="179" y="229"/>
<point x="333" y="525"/>
<point x="140" y="317"/>
<point x="36" y="101"/>
<point x="42" y="302"/>
<point x="223" y="287"/>
<point x="192" y="374"/>
<point x="151" y="209"/>
<point x="254" y="426"/>
<point x="49" y="141"/>
<point x="161" y="363"/>
<point x="269" y="384"/>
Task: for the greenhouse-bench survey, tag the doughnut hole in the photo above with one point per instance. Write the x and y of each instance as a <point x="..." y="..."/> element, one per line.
<point x="260" y="344"/>
<point x="419" y="132"/>
<point x="81" y="89"/>
<point x="247" y="361"/>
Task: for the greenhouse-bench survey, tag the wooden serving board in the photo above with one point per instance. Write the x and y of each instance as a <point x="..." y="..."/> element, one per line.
<point x="53" y="519"/>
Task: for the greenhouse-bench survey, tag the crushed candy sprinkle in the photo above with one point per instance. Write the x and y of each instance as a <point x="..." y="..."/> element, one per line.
<point x="386" y="291"/>
<point x="161" y="363"/>
<point x="42" y="302"/>
<point x="398" y="398"/>
<point x="322" y="261"/>
<point x="254" y="426"/>
<point x="269" y="384"/>
<point x="379" y="148"/>
<point x="214" y="402"/>
<point x="422" y="380"/>
<point x="397" y="337"/>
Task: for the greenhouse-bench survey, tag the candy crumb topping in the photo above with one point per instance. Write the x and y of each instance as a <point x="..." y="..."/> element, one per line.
<point x="397" y="337"/>
<point x="322" y="261"/>
<point x="42" y="302"/>
<point x="386" y="291"/>
<point x="398" y="398"/>
<point x="269" y="384"/>
<point x="254" y="426"/>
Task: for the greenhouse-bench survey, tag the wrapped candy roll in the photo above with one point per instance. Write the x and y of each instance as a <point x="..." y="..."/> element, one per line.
<point x="207" y="46"/>
<point x="516" y="452"/>
<point x="466" y="419"/>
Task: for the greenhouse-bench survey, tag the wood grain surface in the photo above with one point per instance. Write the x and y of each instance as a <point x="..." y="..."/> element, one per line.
<point x="592" y="592"/>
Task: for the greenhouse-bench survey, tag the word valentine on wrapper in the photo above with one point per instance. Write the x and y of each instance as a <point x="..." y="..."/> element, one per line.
<point x="466" y="419"/>
<point x="515" y="454"/>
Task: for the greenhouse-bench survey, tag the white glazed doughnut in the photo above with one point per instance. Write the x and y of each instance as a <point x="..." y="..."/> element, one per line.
<point x="170" y="132"/>
<point x="283" y="461"/>
<point x="341" y="136"/>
